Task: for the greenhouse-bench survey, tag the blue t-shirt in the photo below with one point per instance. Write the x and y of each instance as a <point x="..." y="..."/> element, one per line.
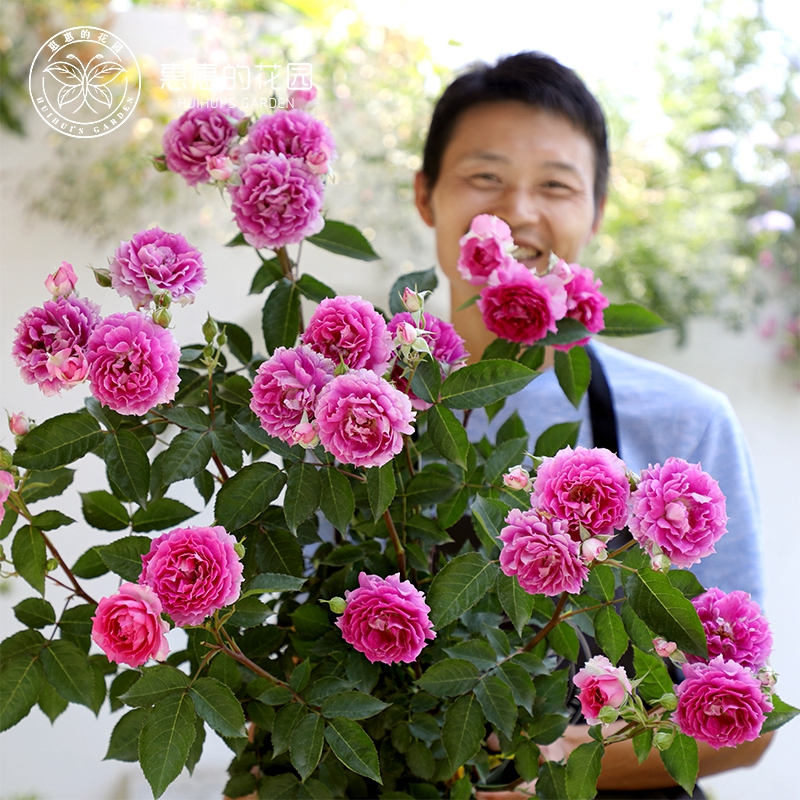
<point x="661" y="413"/>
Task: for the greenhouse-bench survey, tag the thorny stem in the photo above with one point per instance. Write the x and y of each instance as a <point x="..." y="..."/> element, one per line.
<point x="223" y="474"/>
<point x="73" y="580"/>
<point x="401" y="553"/>
<point x="409" y="463"/>
<point x="554" y="620"/>
<point x="590" y="608"/>
<point x="284" y="261"/>
<point x="622" y="549"/>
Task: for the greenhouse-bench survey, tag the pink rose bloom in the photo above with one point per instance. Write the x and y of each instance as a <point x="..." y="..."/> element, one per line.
<point x="735" y="628"/>
<point x="601" y="684"/>
<point x="156" y="257"/>
<point x="199" y="133"/>
<point x="295" y="134"/>
<point x="194" y="572"/>
<point x="484" y="249"/>
<point x="585" y="302"/>
<point x="679" y="508"/>
<point x="386" y="620"/>
<point x="50" y="344"/>
<point x="6" y="487"/>
<point x="278" y="201"/>
<point x="348" y="330"/>
<point x="362" y="419"/>
<point x="520" y="306"/>
<point x="721" y="703"/>
<point x="133" y="363"/>
<point x="62" y="282"/>
<point x="541" y="554"/>
<point x="584" y="486"/>
<point x="286" y="387"/>
<point x="128" y="627"/>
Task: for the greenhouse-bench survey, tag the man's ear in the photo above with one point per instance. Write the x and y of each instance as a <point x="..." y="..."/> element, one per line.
<point x="422" y="198"/>
<point x="598" y="217"/>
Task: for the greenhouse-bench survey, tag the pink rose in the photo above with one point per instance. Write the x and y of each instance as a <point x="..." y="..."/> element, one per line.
<point x="295" y="134"/>
<point x="133" y="363"/>
<point x="517" y="479"/>
<point x="601" y="684"/>
<point x="62" y="282"/>
<point x="735" y="628"/>
<point x="348" y="330"/>
<point x="520" y="306"/>
<point x="278" y="201"/>
<point x="386" y="620"/>
<point x="302" y="98"/>
<point x="679" y="508"/>
<point x="6" y="487"/>
<point x="585" y="301"/>
<point x="194" y="572"/>
<point x="164" y="260"/>
<point x="541" y="554"/>
<point x="18" y="424"/>
<point x="128" y="627"/>
<point x="285" y="390"/>
<point x="484" y="249"/>
<point x="721" y="703"/>
<point x="220" y="168"/>
<point x="199" y="133"/>
<point x="362" y="419"/>
<point x="50" y="344"/>
<point x="587" y="487"/>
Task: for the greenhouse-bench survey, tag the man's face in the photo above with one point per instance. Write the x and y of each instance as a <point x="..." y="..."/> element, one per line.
<point x="530" y="168"/>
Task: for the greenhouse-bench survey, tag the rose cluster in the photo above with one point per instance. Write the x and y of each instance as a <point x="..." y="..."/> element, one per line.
<point x="518" y="304"/>
<point x="189" y="573"/>
<point x="273" y="169"/>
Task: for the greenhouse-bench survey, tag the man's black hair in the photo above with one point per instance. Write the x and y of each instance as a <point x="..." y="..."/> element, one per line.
<point x="533" y="78"/>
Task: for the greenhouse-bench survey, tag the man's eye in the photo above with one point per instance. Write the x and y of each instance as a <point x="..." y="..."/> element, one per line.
<point x="556" y="185"/>
<point x="485" y="177"/>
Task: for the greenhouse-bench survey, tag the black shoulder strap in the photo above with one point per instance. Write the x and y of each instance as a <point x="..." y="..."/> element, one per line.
<point x="601" y="407"/>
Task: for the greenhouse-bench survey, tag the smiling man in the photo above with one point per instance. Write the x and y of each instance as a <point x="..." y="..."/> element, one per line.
<point x="526" y="141"/>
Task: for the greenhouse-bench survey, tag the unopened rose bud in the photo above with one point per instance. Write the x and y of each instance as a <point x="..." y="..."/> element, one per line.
<point x="660" y="563"/>
<point x="608" y="714"/>
<point x="668" y="701"/>
<point x="103" y="277"/>
<point x="220" y="168"/>
<point x="767" y="676"/>
<point x="210" y="329"/>
<point x="517" y="478"/>
<point x="51" y="564"/>
<point x="593" y="549"/>
<point x="412" y="300"/>
<point x="160" y="163"/>
<point x="664" y="648"/>
<point x="18" y="424"/>
<point x="662" y="740"/>
<point x="302" y="98"/>
<point x="406" y="333"/>
<point x="162" y="317"/>
<point x="305" y="434"/>
<point x="242" y="126"/>
<point x="337" y="605"/>
<point x="62" y="282"/>
<point x="2" y="553"/>
<point x="162" y="298"/>
<point x="238" y="548"/>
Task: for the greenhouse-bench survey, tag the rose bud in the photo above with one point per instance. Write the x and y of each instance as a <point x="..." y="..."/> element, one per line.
<point x="18" y="424"/>
<point x="593" y="550"/>
<point x="664" y="648"/>
<point x="412" y="300"/>
<point x="517" y="478"/>
<point x="220" y="168"/>
<point x="406" y="334"/>
<point x="62" y="282"/>
<point x="305" y="434"/>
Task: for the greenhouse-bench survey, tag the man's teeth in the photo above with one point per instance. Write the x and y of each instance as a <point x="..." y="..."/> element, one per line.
<point x="521" y="253"/>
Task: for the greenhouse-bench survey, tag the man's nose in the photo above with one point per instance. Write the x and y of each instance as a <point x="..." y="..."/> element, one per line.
<point x="519" y="207"/>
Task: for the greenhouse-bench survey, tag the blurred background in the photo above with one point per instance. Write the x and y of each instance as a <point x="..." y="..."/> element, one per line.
<point x="702" y="226"/>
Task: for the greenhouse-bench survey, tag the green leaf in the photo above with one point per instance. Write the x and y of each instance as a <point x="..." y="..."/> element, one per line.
<point x="583" y="770"/>
<point x="286" y="721"/>
<point x="275" y="696"/>
<point x="161" y="514"/>
<point x="29" y="557"/>
<point x="269" y="272"/>
<point x="217" y="705"/>
<point x="224" y="443"/>
<point x="460" y="584"/>
<point x="104" y="511"/>
<point x="305" y="750"/>
<point x="497" y="703"/>
<point x="353" y="705"/>
<point x="564" y="641"/>
<point x="124" y="556"/>
<point x="483" y="383"/>
<point x="274" y="582"/>
<point x="552" y="783"/>
<point x="279" y="787"/>
<point x="89" y="565"/>
<point x="546" y="728"/>
<point x="58" y="441"/>
<point x="21" y="679"/>
<point x="196" y="750"/>
<point x="601" y="583"/>
<point x="50" y="520"/>
<point x="682" y="761"/>
<point x="344" y="240"/>
<point x="303" y="491"/>
<point x="557" y="437"/>
<point x="352" y="746"/>
<point x="631" y="319"/>
<point x="249" y="612"/>
<point x="569" y="331"/>
<point x="69" y="671"/>
<point x="76" y="625"/>
<point x="526" y="760"/>
<point x="574" y="371"/>
<point x="314" y="290"/>
<point x="236" y="390"/>
<point x="237" y="241"/>
<point x="426" y="382"/>
<point x="246" y="495"/>
<point x="27" y="643"/>
<point x="165" y="741"/>
<point x="508" y="454"/>
<point x="8" y="523"/>
<point x="477" y="651"/>
<point x="449" y="678"/>
<point x="188" y="417"/>
<point x="610" y="633"/>
<point x="664" y="609"/>
<point x="462" y="731"/>
<point x="280" y="320"/>
<point x="187" y="455"/>
<point x="532" y="357"/>
<point x="781" y="714"/>
<point x="124" y="742"/>
<point x="49" y="483"/>
<point x="300" y="675"/>
<point x="204" y="483"/>
<point x="516" y="602"/>
<point x="640" y="634"/>
<point x="520" y="684"/>
<point x="35" y="613"/>
<point x="53" y="705"/>
<point x="362" y="672"/>
<point x="643" y="744"/>
<point x="501" y="348"/>
<point x="239" y="341"/>
<point x="423" y="281"/>
<point x="654" y="680"/>
<point x="128" y="466"/>
<point x="489" y="516"/>
<point x="431" y="486"/>
<point x="381" y="488"/>
<point x="685" y="582"/>
<point x="156" y="683"/>
<point x="420" y="760"/>
<point x="336" y="500"/>
<point x="448" y="435"/>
